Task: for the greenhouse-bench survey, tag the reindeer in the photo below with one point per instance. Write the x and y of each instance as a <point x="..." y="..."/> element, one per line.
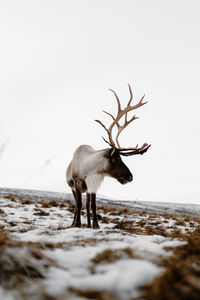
<point x="88" y="167"/>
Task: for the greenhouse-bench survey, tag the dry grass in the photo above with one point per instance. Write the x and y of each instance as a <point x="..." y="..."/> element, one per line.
<point x="2" y="212"/>
<point x="155" y="227"/>
<point x="26" y="201"/>
<point x="181" y="278"/>
<point x="6" y="241"/>
<point x="12" y="197"/>
<point x="41" y="212"/>
<point x="20" y="262"/>
<point x="110" y="255"/>
<point x="93" y="294"/>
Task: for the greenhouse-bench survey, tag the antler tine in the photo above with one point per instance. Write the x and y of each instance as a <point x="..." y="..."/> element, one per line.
<point x="109" y="114"/>
<point x="135" y="148"/>
<point x="131" y="95"/>
<point x="107" y="142"/>
<point x="135" y="151"/>
<point x="140" y="102"/>
<point x="126" y="117"/>
<point x="117" y="98"/>
<point x="98" y="121"/>
<point x="111" y="143"/>
<point x="122" y="127"/>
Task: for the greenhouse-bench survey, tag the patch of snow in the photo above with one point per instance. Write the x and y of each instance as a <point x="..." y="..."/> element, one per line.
<point x="74" y="257"/>
<point x="121" y="278"/>
<point x="5" y="295"/>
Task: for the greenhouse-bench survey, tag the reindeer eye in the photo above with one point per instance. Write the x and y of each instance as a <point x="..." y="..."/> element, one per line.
<point x="117" y="159"/>
<point x="113" y="160"/>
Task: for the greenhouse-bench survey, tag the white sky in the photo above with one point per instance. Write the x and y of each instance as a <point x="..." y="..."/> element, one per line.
<point x="58" y="59"/>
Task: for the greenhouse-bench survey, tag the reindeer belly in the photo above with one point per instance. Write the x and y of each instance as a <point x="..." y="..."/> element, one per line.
<point x="78" y="184"/>
<point x="93" y="182"/>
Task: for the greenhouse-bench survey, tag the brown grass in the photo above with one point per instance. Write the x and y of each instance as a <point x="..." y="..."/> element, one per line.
<point x="20" y="262"/>
<point x="155" y="227"/>
<point x="2" y="212"/>
<point x="27" y="201"/>
<point x="11" y="197"/>
<point x="41" y="212"/>
<point x="111" y="255"/>
<point x="93" y="294"/>
<point x="181" y="278"/>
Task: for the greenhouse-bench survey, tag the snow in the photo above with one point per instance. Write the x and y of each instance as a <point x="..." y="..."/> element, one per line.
<point x="74" y="268"/>
<point x="122" y="278"/>
<point x="6" y="295"/>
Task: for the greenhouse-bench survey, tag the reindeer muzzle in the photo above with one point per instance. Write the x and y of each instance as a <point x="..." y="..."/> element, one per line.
<point x="122" y="180"/>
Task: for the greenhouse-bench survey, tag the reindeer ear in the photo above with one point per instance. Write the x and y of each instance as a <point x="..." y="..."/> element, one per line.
<point x="110" y="152"/>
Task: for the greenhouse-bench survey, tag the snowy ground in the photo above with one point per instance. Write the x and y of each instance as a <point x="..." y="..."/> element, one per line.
<point x="42" y="257"/>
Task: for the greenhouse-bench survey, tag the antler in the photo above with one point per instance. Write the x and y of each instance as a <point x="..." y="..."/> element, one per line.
<point x="120" y="113"/>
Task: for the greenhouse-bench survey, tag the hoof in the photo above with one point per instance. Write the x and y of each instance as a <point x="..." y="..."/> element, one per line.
<point x="95" y="225"/>
<point x="77" y="225"/>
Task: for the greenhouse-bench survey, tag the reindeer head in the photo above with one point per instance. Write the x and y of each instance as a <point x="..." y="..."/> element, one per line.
<point x="117" y="168"/>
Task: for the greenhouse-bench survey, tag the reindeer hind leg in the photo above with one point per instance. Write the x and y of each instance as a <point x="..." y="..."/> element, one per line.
<point x="75" y="210"/>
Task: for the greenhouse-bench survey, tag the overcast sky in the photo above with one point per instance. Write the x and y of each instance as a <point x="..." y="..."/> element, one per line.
<point x="59" y="58"/>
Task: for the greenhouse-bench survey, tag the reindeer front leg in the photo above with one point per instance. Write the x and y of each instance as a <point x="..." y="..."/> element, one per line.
<point x="88" y="210"/>
<point x="93" y="204"/>
<point x="78" y="209"/>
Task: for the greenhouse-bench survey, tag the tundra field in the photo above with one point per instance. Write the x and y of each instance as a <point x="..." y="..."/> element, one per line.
<point x="141" y="251"/>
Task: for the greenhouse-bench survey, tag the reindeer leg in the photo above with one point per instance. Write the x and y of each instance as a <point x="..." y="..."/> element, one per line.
<point x="78" y="209"/>
<point x="75" y="211"/>
<point x="88" y="210"/>
<point x="95" y="220"/>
